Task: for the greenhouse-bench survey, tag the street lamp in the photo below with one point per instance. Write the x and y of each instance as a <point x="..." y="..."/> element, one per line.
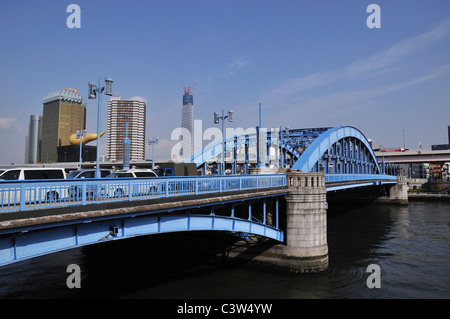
<point x="216" y="121"/>
<point x="80" y="135"/>
<point x="93" y="90"/>
<point x="153" y="141"/>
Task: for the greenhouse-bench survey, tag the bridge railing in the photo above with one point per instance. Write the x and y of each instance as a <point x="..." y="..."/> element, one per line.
<point x="31" y="195"/>
<point x="357" y="177"/>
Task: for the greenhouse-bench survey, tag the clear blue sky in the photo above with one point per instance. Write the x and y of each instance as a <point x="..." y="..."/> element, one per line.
<point x="310" y="64"/>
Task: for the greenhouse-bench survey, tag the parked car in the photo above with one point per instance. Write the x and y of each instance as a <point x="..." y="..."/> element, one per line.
<point x="27" y="173"/>
<point x="88" y="173"/>
<point x="134" y="172"/>
<point x="119" y="190"/>
<point x="91" y="190"/>
<point x="37" y="193"/>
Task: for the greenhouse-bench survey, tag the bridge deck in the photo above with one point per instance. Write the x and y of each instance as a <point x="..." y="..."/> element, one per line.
<point x="30" y="234"/>
<point x="73" y="214"/>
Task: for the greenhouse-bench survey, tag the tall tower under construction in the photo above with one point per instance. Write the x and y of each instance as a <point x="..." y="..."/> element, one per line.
<point x="187" y="121"/>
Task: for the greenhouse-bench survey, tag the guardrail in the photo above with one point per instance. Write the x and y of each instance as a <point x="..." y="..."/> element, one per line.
<point x="31" y="195"/>
<point x="357" y="177"/>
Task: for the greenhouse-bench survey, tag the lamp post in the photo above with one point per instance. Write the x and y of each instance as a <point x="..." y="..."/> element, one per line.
<point x="80" y="135"/>
<point x="216" y="121"/>
<point x="93" y="90"/>
<point x="153" y="141"/>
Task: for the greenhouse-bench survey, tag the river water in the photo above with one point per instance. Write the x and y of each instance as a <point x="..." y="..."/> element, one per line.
<point x="410" y="244"/>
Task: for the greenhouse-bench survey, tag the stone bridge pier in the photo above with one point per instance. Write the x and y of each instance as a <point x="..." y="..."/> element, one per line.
<point x="305" y="249"/>
<point x="306" y="221"/>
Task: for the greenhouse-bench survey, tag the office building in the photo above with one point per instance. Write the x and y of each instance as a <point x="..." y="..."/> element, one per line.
<point x="121" y="112"/>
<point x="64" y="112"/>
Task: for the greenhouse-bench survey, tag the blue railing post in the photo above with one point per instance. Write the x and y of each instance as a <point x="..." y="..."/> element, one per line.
<point x="22" y="196"/>
<point x="83" y="193"/>
<point x="167" y="187"/>
<point x="130" y="190"/>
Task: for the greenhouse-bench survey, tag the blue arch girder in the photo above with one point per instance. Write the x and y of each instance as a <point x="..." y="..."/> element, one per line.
<point x="290" y="141"/>
<point x="342" y="149"/>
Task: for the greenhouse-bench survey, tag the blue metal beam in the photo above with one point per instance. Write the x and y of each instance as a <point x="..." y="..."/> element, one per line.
<point x="28" y="244"/>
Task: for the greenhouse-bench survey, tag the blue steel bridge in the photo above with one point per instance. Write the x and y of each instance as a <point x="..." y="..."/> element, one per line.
<point x="332" y="150"/>
<point x="39" y="217"/>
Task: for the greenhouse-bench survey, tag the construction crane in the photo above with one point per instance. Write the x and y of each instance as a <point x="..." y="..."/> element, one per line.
<point x="187" y="90"/>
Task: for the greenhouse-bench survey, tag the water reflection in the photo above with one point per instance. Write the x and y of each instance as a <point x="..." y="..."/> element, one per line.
<point x="409" y="243"/>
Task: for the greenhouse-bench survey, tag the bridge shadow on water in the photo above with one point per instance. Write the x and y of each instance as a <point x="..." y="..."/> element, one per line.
<point x="125" y="267"/>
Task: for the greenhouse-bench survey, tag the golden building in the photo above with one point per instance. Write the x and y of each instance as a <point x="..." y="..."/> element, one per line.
<point x="64" y="113"/>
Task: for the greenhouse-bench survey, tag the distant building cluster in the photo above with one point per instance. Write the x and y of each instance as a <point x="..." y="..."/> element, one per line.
<point x="64" y="113"/>
<point x="51" y="136"/>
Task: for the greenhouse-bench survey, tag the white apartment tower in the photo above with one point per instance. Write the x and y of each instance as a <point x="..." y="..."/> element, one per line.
<point x="121" y="112"/>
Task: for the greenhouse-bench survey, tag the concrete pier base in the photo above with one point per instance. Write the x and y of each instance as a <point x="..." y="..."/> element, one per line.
<point x="268" y="255"/>
<point x="306" y="248"/>
<point x="398" y="194"/>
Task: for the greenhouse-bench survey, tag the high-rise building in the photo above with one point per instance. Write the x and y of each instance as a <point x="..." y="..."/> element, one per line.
<point x="187" y="122"/>
<point x="33" y="140"/>
<point x="121" y="112"/>
<point x="64" y="112"/>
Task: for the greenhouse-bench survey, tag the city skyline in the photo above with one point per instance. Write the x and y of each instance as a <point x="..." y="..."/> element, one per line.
<point x="309" y="64"/>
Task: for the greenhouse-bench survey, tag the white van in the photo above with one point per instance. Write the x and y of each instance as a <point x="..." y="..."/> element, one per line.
<point x="10" y="194"/>
<point x="27" y="173"/>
